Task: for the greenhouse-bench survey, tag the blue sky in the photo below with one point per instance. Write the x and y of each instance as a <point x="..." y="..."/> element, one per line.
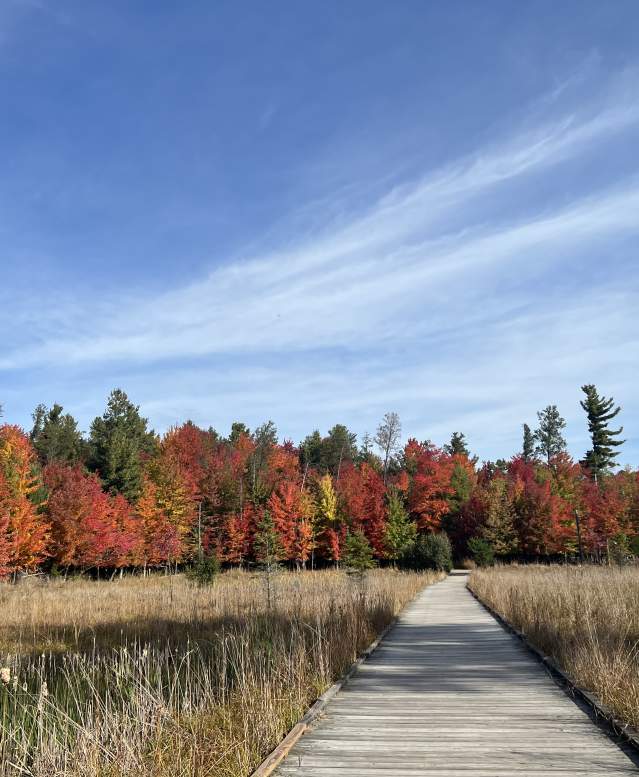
<point x="318" y="212"/>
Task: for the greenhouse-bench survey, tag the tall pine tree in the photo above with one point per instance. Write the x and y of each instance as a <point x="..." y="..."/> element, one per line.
<point x="457" y="445"/>
<point x="528" y="446"/>
<point x="117" y="441"/>
<point x="600" y="410"/>
<point x="549" y="437"/>
<point x="55" y="436"/>
<point x="339" y="446"/>
<point x="268" y="552"/>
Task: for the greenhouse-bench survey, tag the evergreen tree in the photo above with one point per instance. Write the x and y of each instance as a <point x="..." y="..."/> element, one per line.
<point x="462" y="484"/>
<point x="401" y="532"/>
<point x="268" y="552"/>
<point x="237" y="429"/>
<point x="600" y="410"/>
<point x="204" y="570"/>
<point x="528" y="447"/>
<point x="265" y="438"/>
<point x="267" y="545"/>
<point x="457" y="445"/>
<point x="117" y="442"/>
<point x="482" y="551"/>
<point x="462" y="487"/>
<point x="339" y="446"/>
<point x="358" y="554"/>
<point x="550" y="441"/>
<point x="431" y="551"/>
<point x="56" y="437"/>
<point x="311" y="450"/>
<point x="366" y="454"/>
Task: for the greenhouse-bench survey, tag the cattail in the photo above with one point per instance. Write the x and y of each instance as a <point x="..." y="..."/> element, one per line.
<point x="44" y="692"/>
<point x="5" y="674"/>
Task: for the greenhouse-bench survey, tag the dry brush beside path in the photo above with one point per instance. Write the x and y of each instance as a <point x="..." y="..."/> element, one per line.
<point x="450" y="693"/>
<point x="157" y="677"/>
<point x="586" y="618"/>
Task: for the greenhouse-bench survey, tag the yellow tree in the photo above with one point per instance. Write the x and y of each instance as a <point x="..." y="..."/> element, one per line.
<point x="328" y="518"/>
<point x="178" y="511"/>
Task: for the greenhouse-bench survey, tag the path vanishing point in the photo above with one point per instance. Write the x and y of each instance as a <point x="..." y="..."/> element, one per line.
<point x="449" y="692"/>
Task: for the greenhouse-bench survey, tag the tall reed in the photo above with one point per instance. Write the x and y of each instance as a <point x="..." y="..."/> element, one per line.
<point x="151" y="677"/>
<point x="586" y="618"/>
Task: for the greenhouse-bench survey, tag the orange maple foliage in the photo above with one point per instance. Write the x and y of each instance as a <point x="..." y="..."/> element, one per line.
<point x="362" y="494"/>
<point x="430" y="488"/>
<point x="24" y="527"/>
<point x="292" y="513"/>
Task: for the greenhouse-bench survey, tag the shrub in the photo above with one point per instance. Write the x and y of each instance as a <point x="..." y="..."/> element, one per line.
<point x="204" y="570"/>
<point x="431" y="551"/>
<point x="482" y="552"/>
<point x="619" y="551"/>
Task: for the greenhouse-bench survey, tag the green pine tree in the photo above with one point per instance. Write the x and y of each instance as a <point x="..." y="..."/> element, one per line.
<point x="265" y="438"/>
<point x="481" y="551"/>
<point x="401" y="531"/>
<point x="549" y="437"/>
<point x="117" y="441"/>
<point x="528" y="447"/>
<point x="600" y="410"/>
<point x="311" y="450"/>
<point x="366" y="454"/>
<point x="268" y="552"/>
<point x="55" y="436"/>
<point x="339" y="446"/>
<point x="237" y="429"/>
<point x="457" y="445"/>
<point x="358" y="554"/>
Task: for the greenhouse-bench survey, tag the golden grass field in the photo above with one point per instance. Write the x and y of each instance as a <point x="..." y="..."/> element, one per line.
<point x="151" y="677"/>
<point x="586" y="618"/>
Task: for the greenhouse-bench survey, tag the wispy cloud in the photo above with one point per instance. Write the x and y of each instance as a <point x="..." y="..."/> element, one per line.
<point x="429" y="297"/>
<point x="340" y="287"/>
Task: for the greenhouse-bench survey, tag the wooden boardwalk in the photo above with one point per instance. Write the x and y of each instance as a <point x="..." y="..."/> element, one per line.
<point x="449" y="692"/>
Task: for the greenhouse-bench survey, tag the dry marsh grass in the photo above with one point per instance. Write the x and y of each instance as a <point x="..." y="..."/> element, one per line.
<point x="586" y="618"/>
<point x="155" y="677"/>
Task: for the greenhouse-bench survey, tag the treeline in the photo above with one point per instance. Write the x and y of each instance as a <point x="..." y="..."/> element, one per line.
<point x="124" y="497"/>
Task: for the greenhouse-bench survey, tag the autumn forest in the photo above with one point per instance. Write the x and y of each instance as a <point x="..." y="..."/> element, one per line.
<point x="126" y="498"/>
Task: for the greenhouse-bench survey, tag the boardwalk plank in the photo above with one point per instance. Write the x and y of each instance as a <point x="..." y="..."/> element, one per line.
<point x="450" y="693"/>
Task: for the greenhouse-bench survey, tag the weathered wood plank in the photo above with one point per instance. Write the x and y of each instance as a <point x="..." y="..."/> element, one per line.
<point x="449" y="692"/>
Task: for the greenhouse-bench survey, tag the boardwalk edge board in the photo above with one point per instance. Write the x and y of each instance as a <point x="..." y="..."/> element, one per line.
<point x="276" y="756"/>
<point x="602" y="713"/>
